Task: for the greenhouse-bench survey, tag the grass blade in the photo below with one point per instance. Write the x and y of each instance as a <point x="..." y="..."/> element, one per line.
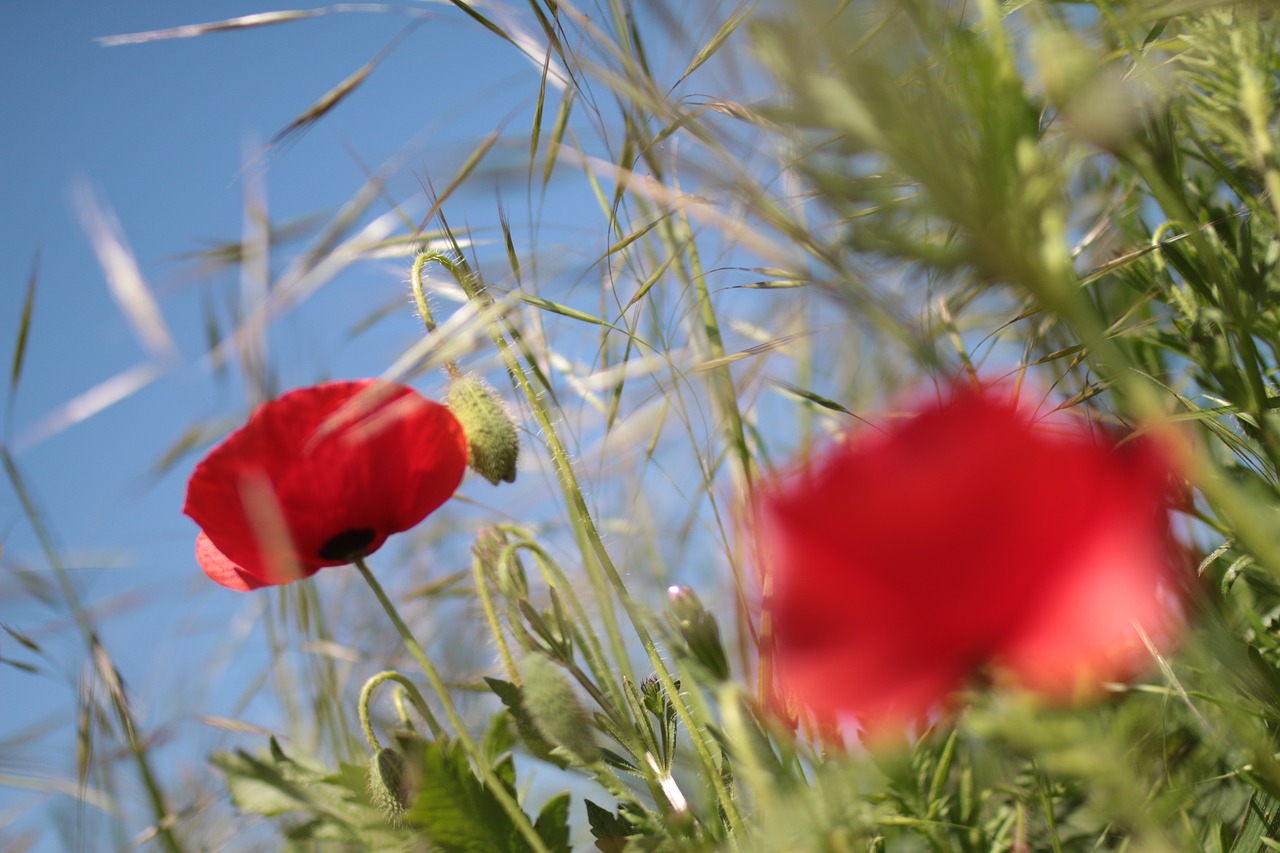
<point x="716" y="41"/>
<point x="124" y="278"/>
<point x="24" y="326"/>
<point x="467" y="168"/>
<point x="337" y="94"/>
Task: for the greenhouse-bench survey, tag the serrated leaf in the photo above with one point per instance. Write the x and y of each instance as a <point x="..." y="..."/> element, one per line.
<point x="618" y="762"/>
<point x="538" y="746"/>
<point x="455" y="810"/>
<point x="552" y="825"/>
<point x="610" y="830"/>
<point x="336" y="806"/>
<point x="258" y="787"/>
<point x="498" y="738"/>
<point x="505" y="770"/>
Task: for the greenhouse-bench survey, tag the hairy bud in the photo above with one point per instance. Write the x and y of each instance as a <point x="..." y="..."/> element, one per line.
<point x="492" y="442"/>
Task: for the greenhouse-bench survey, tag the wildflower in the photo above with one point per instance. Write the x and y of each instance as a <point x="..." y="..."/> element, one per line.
<point x="970" y="538"/>
<point x="320" y="477"/>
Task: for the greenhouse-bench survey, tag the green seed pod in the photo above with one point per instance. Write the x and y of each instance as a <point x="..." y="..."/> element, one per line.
<point x="698" y="627"/>
<point x="555" y="709"/>
<point x="492" y="443"/>
<point x="390" y="784"/>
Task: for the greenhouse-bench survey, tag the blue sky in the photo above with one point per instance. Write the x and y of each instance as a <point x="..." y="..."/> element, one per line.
<point x="159" y="133"/>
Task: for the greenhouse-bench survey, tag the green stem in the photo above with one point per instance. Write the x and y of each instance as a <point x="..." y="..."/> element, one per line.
<point x="424" y="308"/>
<point x="491" y="781"/>
<point x="601" y="572"/>
<point x="397" y="699"/>
<point x="555" y="578"/>
<point x="490" y="614"/>
<point x="579" y="514"/>
<point x="366" y="693"/>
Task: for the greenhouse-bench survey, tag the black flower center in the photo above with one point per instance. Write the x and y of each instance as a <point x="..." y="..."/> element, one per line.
<point x="347" y="545"/>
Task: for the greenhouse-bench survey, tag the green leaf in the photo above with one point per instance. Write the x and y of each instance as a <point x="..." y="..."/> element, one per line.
<point x="455" y="810"/>
<point x="261" y="787"/>
<point x="538" y="746"/>
<point x="505" y="770"/>
<point x="553" y="824"/>
<point x="610" y="831"/>
<point x="333" y="806"/>
<point x="498" y="738"/>
<point x="1261" y="823"/>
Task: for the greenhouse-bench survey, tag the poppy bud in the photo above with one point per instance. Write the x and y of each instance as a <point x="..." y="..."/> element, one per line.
<point x="699" y="630"/>
<point x="555" y="709"/>
<point x="491" y="433"/>
<point x="389" y="784"/>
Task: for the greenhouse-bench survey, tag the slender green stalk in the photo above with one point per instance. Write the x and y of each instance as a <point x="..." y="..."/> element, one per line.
<point x="554" y="576"/>
<point x="579" y="513"/>
<point x="491" y="781"/>
<point x="424" y="308"/>
<point x="491" y="615"/>
<point x="415" y="696"/>
<point x="602" y="571"/>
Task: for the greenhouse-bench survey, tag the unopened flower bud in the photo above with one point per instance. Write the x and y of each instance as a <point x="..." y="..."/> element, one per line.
<point x="492" y="442"/>
<point x="699" y="630"/>
<point x="555" y="709"/>
<point x="390" y="784"/>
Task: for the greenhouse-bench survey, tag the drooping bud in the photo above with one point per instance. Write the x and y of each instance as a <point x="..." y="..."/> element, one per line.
<point x="492" y="442"/>
<point x="555" y="709"/>
<point x="390" y="785"/>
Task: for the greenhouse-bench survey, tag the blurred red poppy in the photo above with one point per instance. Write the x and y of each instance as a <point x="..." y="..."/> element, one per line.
<point x="968" y="538"/>
<point x="319" y="477"/>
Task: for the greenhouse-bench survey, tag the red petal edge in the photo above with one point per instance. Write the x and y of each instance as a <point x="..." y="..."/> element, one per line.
<point x="220" y="569"/>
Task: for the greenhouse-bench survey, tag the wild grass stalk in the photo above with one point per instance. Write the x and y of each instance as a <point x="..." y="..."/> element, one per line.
<point x="1079" y="200"/>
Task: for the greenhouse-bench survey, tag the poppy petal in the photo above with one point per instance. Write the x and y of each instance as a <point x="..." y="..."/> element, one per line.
<point x="220" y="569"/>
<point x="906" y="559"/>
<point x="323" y="474"/>
<point x="1070" y="644"/>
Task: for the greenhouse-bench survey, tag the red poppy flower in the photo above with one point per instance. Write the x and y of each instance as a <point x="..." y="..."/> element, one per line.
<point x="319" y="477"/>
<point x="970" y="537"/>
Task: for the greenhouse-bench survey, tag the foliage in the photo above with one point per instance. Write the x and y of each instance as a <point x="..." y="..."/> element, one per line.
<point x="1084" y="196"/>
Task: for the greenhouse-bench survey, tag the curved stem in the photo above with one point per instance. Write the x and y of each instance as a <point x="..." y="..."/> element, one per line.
<point x="601" y="572"/>
<point x="491" y="781"/>
<point x="397" y="699"/>
<point x="420" y="297"/>
<point x="366" y="693"/>
<point x="555" y="578"/>
<point x="486" y="601"/>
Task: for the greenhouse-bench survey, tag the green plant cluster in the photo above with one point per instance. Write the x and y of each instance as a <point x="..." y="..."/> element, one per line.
<point x="1086" y="194"/>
